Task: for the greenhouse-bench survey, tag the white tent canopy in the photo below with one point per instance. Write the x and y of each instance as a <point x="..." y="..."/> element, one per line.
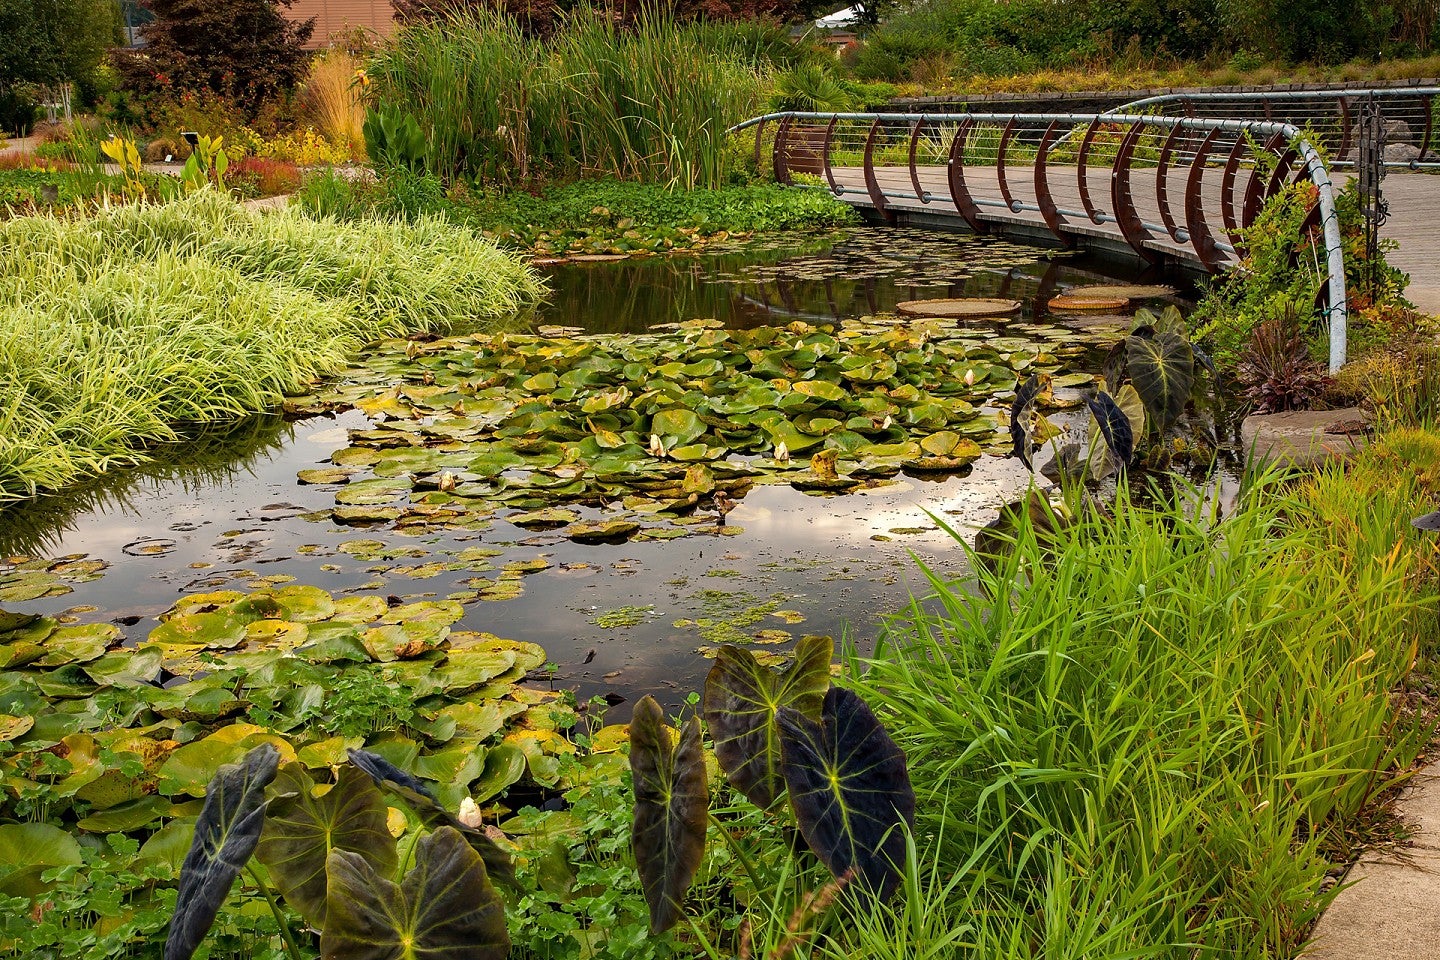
<point x="840" y="18"/>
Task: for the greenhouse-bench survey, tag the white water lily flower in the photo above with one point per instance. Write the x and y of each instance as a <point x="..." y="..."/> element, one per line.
<point x="969" y="378"/>
<point x="469" y="813"/>
<point x="657" y="446"/>
<point x="782" y="452"/>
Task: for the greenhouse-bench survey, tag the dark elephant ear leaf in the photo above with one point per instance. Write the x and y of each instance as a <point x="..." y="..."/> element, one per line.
<point x="1022" y="409"/>
<point x="1114" y="426"/>
<point x="419" y="798"/>
<point x="850" y="790"/>
<point x="671" y="807"/>
<point x="1162" y="368"/>
<point x="444" y="909"/>
<point x="742" y="699"/>
<point x="301" y="830"/>
<point x="225" y="835"/>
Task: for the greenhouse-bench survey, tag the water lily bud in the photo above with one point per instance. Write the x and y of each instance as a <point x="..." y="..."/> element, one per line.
<point x="970" y="378"/>
<point x="782" y="452"/>
<point x="447" y="482"/>
<point x="657" y="446"/>
<point x="469" y="813"/>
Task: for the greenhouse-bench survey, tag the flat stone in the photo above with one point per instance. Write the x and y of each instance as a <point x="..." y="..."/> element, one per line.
<point x="1388" y="911"/>
<point x="1300" y="437"/>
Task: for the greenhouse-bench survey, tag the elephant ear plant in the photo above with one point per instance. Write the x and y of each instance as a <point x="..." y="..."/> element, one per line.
<point x="776" y="733"/>
<point x="335" y="863"/>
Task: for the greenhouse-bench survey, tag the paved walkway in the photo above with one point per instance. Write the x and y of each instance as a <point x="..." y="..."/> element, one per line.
<point x="1391" y="911"/>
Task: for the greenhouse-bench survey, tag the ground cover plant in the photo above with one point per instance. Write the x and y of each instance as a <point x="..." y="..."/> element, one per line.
<point x="125" y="328"/>
<point x="643" y="431"/>
<point x="587" y="217"/>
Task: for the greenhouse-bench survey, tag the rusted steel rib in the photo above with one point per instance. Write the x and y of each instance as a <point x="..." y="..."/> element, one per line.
<point x="1004" y="148"/>
<point x="1227" y="190"/>
<point x="1308" y="226"/>
<point x="1281" y="172"/>
<point x="920" y="193"/>
<point x="1090" y="209"/>
<point x="835" y="187"/>
<point x="1162" y="193"/>
<point x="1128" y="219"/>
<point x="877" y="196"/>
<point x="759" y="139"/>
<point x="1255" y="187"/>
<point x="1200" y="237"/>
<point x="1043" y="198"/>
<point x="1429" y="102"/>
<point x="782" y="136"/>
<point x="955" y="172"/>
<point x="1346" y="127"/>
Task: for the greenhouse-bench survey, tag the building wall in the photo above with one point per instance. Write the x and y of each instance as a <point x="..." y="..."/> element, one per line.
<point x="335" y="17"/>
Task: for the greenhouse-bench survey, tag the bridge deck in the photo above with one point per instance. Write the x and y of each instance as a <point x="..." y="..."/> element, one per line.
<point x="1414" y="200"/>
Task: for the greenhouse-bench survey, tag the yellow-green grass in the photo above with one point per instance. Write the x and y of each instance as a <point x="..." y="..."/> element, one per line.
<point x="119" y="331"/>
<point x="1154" y="736"/>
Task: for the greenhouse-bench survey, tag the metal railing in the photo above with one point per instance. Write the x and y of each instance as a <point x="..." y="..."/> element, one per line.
<point x="1332" y="116"/>
<point x="1165" y="187"/>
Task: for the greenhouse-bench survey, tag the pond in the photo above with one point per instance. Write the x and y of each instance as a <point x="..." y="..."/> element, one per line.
<point x="428" y="491"/>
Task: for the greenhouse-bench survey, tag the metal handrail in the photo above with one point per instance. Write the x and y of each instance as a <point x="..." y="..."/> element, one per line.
<point x="1203" y="225"/>
<point x="1342" y="96"/>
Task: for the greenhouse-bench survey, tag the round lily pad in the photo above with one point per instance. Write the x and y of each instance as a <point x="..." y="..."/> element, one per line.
<point x="1129" y="291"/>
<point x="602" y="531"/>
<point x="1088" y="303"/>
<point x="958" y="308"/>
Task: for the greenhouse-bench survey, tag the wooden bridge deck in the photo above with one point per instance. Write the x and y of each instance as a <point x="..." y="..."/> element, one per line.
<point x="1414" y="200"/>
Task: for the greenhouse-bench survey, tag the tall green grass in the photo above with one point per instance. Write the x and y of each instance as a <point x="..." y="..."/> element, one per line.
<point x="119" y="330"/>
<point x="1150" y="738"/>
<point x="647" y="102"/>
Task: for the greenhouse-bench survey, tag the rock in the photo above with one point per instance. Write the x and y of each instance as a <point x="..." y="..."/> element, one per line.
<point x="1401" y="153"/>
<point x="1397" y="131"/>
<point x="1302" y="438"/>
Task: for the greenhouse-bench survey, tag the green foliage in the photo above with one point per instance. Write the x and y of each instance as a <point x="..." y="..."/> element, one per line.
<point x="52" y="42"/>
<point x="1156" y="728"/>
<point x="650" y="103"/>
<point x="120" y="328"/>
<point x="394" y="139"/>
<point x="1282" y="273"/>
<point x="244" y="50"/>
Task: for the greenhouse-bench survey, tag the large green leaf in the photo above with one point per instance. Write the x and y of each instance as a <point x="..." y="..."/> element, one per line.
<point x="1162" y="367"/>
<point x="850" y="790"/>
<point x="671" y="807"/>
<point x="742" y="699"/>
<point x="420" y="799"/>
<point x="444" y="909"/>
<point x="225" y="836"/>
<point x="301" y="830"/>
<point x="1022" y="414"/>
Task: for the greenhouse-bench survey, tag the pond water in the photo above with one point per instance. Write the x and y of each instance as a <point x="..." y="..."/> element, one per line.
<point x="616" y="619"/>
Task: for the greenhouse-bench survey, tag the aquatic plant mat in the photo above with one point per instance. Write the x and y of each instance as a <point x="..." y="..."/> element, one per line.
<point x="1111" y="738"/>
<point x="129" y="328"/>
<point x="657" y="433"/>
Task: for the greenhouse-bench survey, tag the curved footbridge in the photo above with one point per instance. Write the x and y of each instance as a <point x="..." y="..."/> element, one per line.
<point x="1154" y="179"/>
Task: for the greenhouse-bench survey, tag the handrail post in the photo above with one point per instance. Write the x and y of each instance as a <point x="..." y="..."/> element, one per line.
<point x="835" y="187"/>
<point x="872" y="183"/>
<point x="955" y="170"/>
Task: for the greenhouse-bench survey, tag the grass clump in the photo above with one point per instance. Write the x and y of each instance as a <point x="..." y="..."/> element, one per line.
<point x="1152" y="736"/>
<point x="649" y="102"/>
<point x="123" y="329"/>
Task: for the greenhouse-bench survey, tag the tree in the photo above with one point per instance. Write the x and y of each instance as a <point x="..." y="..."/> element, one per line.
<point x="245" y="50"/>
<point x="49" y="42"/>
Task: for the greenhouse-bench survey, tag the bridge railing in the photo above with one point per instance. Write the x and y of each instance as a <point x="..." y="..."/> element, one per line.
<point x="1332" y="117"/>
<point x="1166" y="186"/>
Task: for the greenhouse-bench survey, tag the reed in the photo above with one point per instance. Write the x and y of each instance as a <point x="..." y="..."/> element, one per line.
<point x="1153" y="737"/>
<point x="126" y="329"/>
<point x="648" y="102"/>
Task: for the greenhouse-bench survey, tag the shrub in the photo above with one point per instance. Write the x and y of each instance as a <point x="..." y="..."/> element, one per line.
<point x="263" y="176"/>
<point x="245" y="51"/>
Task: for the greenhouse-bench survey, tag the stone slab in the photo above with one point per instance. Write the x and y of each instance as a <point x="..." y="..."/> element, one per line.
<point x="1300" y="437"/>
<point x="1389" y="908"/>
